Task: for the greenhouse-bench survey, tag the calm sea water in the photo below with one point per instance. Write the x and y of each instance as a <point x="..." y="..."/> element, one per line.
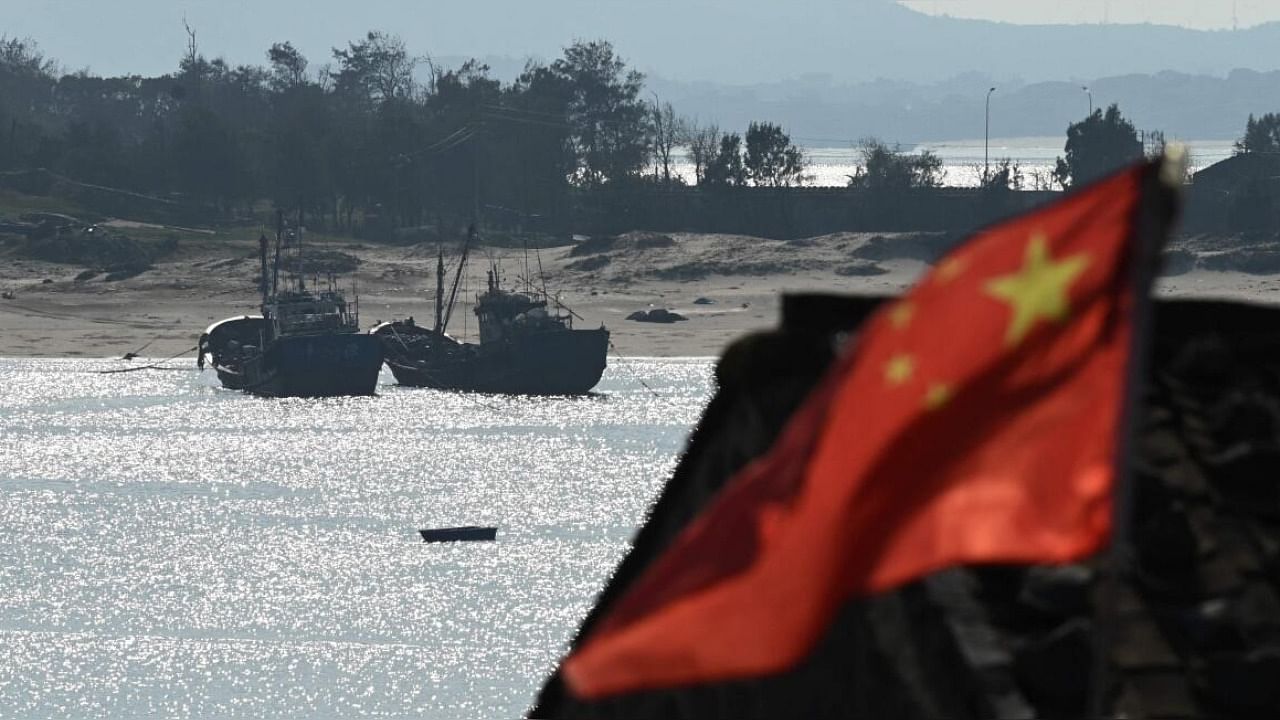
<point x="963" y="160"/>
<point x="169" y="548"/>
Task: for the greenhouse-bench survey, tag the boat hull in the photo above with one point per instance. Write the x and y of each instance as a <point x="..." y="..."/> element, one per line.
<point x="310" y="366"/>
<point x="568" y="362"/>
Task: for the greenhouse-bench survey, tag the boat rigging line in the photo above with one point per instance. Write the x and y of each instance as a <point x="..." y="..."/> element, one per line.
<point x="135" y="353"/>
<point x="616" y="352"/>
<point x="153" y="366"/>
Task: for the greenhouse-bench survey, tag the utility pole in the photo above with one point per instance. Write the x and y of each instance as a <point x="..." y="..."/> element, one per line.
<point x="986" y="145"/>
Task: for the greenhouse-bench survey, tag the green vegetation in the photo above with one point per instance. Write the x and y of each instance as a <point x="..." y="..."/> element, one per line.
<point x="1096" y="146"/>
<point x="377" y="142"/>
<point x="724" y="166"/>
<point x="888" y="169"/>
<point x="15" y="204"/>
<point x="361" y="143"/>
<point x="768" y="158"/>
<point x="1261" y="135"/>
<point x="772" y="160"/>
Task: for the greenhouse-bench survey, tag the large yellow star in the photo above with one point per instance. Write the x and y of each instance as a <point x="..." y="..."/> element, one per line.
<point x="1038" y="290"/>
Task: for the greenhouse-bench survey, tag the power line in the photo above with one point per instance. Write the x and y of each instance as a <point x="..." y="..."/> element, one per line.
<point x="454" y="139"/>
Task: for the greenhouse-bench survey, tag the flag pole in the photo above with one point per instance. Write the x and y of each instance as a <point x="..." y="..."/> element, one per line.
<point x="1157" y="209"/>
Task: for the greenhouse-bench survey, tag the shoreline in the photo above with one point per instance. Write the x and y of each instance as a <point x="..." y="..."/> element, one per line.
<point x="727" y="286"/>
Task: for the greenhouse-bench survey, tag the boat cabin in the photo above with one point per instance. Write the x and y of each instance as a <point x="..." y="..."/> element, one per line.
<point x="502" y="313"/>
<point x="303" y="313"/>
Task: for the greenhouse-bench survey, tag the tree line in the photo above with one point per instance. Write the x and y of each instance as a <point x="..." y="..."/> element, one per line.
<point x="374" y="134"/>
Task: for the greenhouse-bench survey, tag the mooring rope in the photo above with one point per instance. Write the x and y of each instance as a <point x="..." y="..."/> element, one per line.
<point x="616" y="352"/>
<point x="153" y="366"/>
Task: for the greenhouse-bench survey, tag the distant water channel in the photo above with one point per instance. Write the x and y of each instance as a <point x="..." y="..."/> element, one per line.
<point x="172" y="549"/>
<point x="963" y="160"/>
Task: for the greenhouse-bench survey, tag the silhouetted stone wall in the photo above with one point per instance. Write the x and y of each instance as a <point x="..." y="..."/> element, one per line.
<point x="794" y="212"/>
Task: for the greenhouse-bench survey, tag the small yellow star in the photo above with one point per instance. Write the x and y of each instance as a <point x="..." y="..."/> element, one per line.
<point x="937" y="396"/>
<point x="899" y="369"/>
<point x="900" y="315"/>
<point x="950" y="269"/>
<point x="1038" y="290"/>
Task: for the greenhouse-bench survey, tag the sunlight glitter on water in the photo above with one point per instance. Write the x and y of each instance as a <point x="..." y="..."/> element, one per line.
<point x="963" y="160"/>
<point x="172" y="548"/>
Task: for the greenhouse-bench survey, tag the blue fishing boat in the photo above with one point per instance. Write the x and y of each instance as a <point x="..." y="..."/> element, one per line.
<point x="305" y="343"/>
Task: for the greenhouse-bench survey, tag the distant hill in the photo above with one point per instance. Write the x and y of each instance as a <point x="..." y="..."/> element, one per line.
<point x="852" y="41"/>
<point x="754" y="41"/>
<point x="823" y="111"/>
<point x="835" y="69"/>
<point x="722" y="41"/>
<point x="843" y="70"/>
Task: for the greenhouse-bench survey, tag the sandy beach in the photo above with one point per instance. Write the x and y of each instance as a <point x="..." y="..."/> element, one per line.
<point x="213" y="274"/>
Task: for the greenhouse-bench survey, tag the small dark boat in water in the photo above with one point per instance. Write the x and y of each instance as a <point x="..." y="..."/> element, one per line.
<point x="528" y="345"/>
<point x="306" y="342"/>
<point x="469" y="533"/>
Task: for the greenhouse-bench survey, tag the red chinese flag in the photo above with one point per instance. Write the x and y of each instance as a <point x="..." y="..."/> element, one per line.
<point x="975" y="420"/>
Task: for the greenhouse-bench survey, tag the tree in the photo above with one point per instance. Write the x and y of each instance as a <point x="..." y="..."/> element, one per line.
<point x="300" y="143"/>
<point x="1261" y="135"/>
<point x="771" y="159"/>
<point x="23" y="57"/>
<point x="541" y="138"/>
<point x="288" y="66"/>
<point x="889" y="169"/>
<point x="94" y="153"/>
<point x="725" y="168"/>
<point x="668" y="132"/>
<point x="1096" y="146"/>
<point x="27" y="82"/>
<point x="361" y="140"/>
<point x="377" y="69"/>
<point x="609" y="122"/>
<point x="209" y="159"/>
<point x="1006" y="174"/>
<point x="194" y="69"/>
<point x="703" y="142"/>
<point x="465" y="166"/>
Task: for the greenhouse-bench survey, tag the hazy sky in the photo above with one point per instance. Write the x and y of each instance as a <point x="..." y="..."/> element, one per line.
<point x="146" y="37"/>
<point x="1204" y="14"/>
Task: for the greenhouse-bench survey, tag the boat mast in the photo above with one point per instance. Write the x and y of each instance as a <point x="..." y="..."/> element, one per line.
<point x="298" y="268"/>
<point x="462" y="263"/>
<point x="263" y="284"/>
<point x="440" y="290"/>
<point x="275" y="267"/>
